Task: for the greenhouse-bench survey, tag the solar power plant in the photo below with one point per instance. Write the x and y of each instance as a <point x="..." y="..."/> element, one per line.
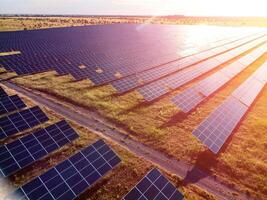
<point x="217" y="127"/>
<point x="10" y="104"/>
<point x="125" y="84"/>
<point x="73" y="176"/>
<point x="162" y="86"/>
<point x="20" y="121"/>
<point x="26" y="150"/>
<point x="2" y="93"/>
<point x="95" y="46"/>
<point x="190" y="98"/>
<point x="154" y="186"/>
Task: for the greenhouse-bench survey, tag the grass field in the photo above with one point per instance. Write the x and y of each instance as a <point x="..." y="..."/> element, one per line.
<point x="29" y="23"/>
<point x="160" y="125"/>
<point x="113" y="186"/>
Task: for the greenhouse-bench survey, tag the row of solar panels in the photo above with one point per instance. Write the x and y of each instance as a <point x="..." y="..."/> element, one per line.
<point x="217" y="127"/>
<point x="73" y="176"/>
<point x="162" y="86"/>
<point x="179" y="69"/>
<point x="64" y="63"/>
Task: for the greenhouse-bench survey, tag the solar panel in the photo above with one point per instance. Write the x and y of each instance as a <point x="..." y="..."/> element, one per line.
<point x="20" y="121"/>
<point x="10" y="104"/>
<point x="190" y="98"/>
<point x="214" y="131"/>
<point x="248" y="91"/>
<point x="218" y="126"/>
<point x="154" y="186"/>
<point x="73" y="176"/>
<point x="2" y="93"/>
<point x="173" y="81"/>
<point x="26" y="150"/>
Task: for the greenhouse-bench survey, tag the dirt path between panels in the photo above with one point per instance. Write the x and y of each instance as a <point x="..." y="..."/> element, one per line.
<point x="95" y="123"/>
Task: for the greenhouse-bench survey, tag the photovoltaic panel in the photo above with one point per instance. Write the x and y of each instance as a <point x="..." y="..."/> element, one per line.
<point x="2" y="93"/>
<point x="249" y="91"/>
<point x="217" y="127"/>
<point x="214" y="131"/>
<point x="20" y="121"/>
<point x="69" y="179"/>
<point x="10" y="104"/>
<point x="26" y="150"/>
<point x="260" y="74"/>
<point x="154" y="186"/>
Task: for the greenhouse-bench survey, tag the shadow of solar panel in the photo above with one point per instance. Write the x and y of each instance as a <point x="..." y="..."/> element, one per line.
<point x="26" y="150"/>
<point x="20" y="121"/>
<point x="217" y="127"/>
<point x="2" y="93"/>
<point x="10" y="104"/>
<point x="154" y="186"/>
<point x="69" y="179"/>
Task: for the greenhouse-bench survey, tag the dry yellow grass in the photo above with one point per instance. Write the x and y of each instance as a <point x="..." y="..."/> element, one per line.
<point x="29" y="23"/>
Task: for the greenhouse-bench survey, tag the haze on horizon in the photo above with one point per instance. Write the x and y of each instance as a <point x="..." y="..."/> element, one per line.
<point x="256" y="8"/>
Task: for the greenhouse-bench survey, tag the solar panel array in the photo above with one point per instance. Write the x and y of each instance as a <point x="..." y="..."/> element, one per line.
<point x="128" y="83"/>
<point x="10" y="104"/>
<point x="217" y="127"/>
<point x="154" y="186"/>
<point x="73" y="176"/>
<point x="20" y="121"/>
<point x="191" y="97"/>
<point x="26" y="150"/>
<point x="116" y="49"/>
<point x="162" y="86"/>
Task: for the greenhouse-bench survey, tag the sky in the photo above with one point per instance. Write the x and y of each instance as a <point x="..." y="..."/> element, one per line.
<point x="137" y="7"/>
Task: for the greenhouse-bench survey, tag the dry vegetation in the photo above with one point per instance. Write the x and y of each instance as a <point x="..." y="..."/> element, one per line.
<point x="29" y="23"/>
